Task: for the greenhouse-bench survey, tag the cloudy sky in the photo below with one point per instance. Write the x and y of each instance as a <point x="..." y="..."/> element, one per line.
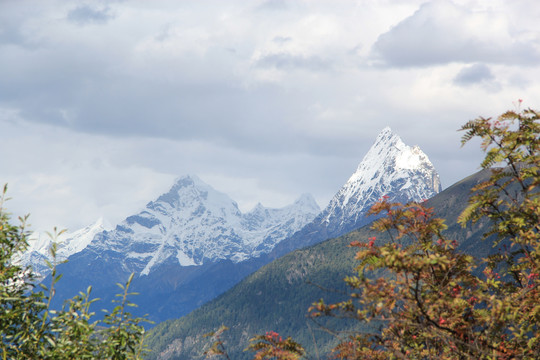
<point x="104" y="103"/>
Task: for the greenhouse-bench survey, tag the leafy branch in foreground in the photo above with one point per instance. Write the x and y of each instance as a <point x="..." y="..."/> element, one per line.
<point x="423" y="304"/>
<point x="30" y="329"/>
<point x="268" y="346"/>
<point x="218" y="347"/>
<point x="273" y="346"/>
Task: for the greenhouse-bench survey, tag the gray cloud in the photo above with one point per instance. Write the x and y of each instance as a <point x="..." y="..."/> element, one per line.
<point x="288" y="111"/>
<point x="10" y="34"/>
<point x="211" y="112"/>
<point x="474" y="74"/>
<point x="281" y="39"/>
<point x="273" y="5"/>
<point x="86" y="14"/>
<point x="13" y="31"/>
<point x="82" y="89"/>
<point x="439" y="32"/>
<point x="288" y="61"/>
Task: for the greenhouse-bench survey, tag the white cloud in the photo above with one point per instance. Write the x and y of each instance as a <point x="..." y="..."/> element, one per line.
<point x="71" y="179"/>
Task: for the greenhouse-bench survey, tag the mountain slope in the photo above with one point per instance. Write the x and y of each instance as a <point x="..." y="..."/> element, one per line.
<point x="390" y="168"/>
<point x="277" y="296"/>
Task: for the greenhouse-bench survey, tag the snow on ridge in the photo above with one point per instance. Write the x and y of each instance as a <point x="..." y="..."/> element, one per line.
<point x="183" y="259"/>
<point x="77" y="241"/>
<point x="412" y="158"/>
<point x="193" y="223"/>
<point x="69" y="244"/>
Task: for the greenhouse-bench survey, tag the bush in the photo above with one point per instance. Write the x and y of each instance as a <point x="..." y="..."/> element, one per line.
<point x="30" y="329"/>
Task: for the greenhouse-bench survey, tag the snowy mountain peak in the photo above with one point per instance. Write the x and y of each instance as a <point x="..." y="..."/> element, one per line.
<point x="386" y="135"/>
<point x="391" y="168"/>
<point x="386" y="145"/>
<point x="189" y="180"/>
<point x="389" y="154"/>
<point x="307" y="201"/>
<point x="190" y="195"/>
<point x="193" y="224"/>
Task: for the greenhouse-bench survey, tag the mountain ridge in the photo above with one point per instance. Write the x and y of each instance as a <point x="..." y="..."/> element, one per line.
<point x="69" y="243"/>
<point x="196" y="224"/>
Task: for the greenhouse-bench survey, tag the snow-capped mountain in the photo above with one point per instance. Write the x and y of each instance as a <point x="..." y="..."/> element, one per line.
<point x="193" y="224"/>
<point x="390" y="168"/>
<point x="68" y="244"/>
<point x="186" y="247"/>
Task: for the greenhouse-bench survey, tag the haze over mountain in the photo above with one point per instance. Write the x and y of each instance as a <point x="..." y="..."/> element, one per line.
<point x="193" y="224"/>
<point x="107" y="102"/>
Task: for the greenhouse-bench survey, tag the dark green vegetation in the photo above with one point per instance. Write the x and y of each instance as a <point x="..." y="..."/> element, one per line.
<point x="169" y="291"/>
<point x="278" y="296"/>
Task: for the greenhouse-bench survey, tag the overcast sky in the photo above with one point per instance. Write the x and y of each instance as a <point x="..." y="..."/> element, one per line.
<point x="104" y="103"/>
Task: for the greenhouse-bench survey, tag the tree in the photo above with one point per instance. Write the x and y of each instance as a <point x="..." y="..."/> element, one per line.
<point x="30" y="329"/>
